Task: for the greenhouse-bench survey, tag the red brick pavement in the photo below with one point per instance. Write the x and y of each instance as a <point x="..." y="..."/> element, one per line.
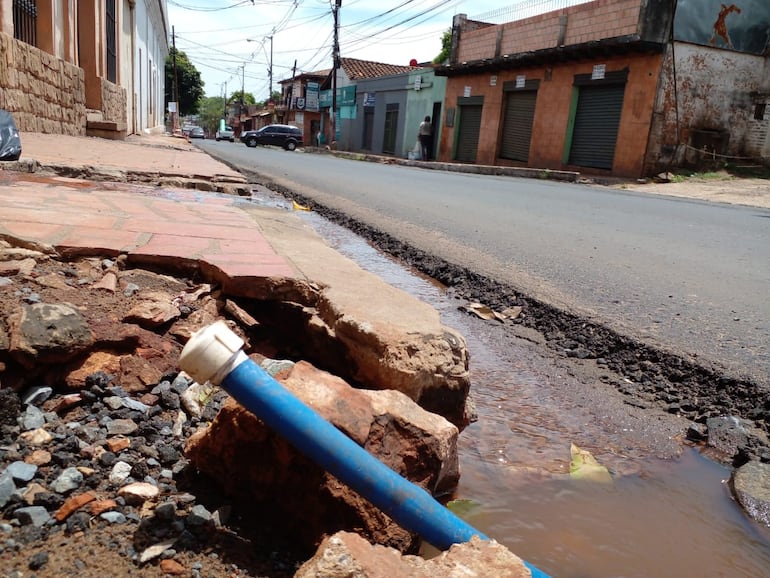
<point x="147" y="224"/>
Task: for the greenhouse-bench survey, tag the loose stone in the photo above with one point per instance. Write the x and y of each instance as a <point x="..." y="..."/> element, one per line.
<point x="36" y="395"/>
<point x="138" y="492"/>
<point x="120" y="472"/>
<point x="21" y="472"/>
<point x="38" y="561"/>
<point x="36" y="437"/>
<point x="113" y="402"/>
<point x="135" y="405"/>
<point x="67" y="481"/>
<point x="32" y="418"/>
<point x="165" y="511"/>
<point x="39" y="458"/>
<point x="121" y="427"/>
<point x="181" y="382"/>
<point x="172" y="567"/>
<point x="32" y="515"/>
<point x="198" y="516"/>
<point x="7" y="488"/>
<point x="113" y="517"/>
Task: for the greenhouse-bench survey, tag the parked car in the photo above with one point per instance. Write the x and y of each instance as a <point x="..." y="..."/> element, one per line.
<point x="227" y="134"/>
<point x="197" y="132"/>
<point x="282" y="135"/>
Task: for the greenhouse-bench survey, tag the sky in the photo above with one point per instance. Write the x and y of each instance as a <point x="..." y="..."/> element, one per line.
<point x="229" y="41"/>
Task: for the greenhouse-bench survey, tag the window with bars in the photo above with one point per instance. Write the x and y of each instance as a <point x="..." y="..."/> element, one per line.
<point x="25" y="21"/>
<point x="112" y="52"/>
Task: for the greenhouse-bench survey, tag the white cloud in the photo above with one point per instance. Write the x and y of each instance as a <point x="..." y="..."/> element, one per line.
<point x="214" y="33"/>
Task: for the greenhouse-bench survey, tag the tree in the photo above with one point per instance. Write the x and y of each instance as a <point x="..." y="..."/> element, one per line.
<point x="212" y="108"/>
<point x="446" y="47"/>
<point x="276" y="98"/>
<point x="248" y="98"/>
<point x="190" y="85"/>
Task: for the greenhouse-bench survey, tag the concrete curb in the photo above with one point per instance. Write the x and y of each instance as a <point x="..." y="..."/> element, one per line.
<point x="522" y="172"/>
<point x="211" y="183"/>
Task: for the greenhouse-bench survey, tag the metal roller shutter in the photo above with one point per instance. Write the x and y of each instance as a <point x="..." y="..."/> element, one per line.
<point x="468" y="133"/>
<point x="517" y="125"/>
<point x="597" y="120"/>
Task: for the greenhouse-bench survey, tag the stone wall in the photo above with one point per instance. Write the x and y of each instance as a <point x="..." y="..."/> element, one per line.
<point x="114" y="104"/>
<point x="43" y="93"/>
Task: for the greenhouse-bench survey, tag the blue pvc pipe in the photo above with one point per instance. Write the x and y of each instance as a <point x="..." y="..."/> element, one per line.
<point x="408" y="504"/>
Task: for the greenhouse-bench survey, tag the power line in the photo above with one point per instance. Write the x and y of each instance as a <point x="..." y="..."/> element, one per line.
<point x="301" y="28"/>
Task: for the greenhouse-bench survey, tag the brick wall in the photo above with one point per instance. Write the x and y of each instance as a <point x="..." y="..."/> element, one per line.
<point x="42" y="92"/>
<point x="586" y="22"/>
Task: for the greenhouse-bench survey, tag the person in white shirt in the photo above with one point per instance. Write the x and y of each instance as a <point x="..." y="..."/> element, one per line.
<point x="425" y="136"/>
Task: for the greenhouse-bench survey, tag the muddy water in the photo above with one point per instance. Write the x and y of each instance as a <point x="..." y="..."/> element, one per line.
<point x="658" y="518"/>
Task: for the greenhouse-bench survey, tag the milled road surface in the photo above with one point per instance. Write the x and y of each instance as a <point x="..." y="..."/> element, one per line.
<point x="687" y="276"/>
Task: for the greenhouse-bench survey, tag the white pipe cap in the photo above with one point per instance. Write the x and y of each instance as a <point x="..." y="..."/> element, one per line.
<point x="209" y="352"/>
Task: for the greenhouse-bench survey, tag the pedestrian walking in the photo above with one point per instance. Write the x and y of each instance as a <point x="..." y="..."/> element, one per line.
<point x="425" y="136"/>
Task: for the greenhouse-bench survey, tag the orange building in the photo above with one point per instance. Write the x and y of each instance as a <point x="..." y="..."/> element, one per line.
<point x="603" y="87"/>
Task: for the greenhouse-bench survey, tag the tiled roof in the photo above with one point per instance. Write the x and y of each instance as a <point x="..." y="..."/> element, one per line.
<point x="356" y="69"/>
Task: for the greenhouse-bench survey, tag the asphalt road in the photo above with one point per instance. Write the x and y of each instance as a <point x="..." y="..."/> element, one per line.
<point x="690" y="276"/>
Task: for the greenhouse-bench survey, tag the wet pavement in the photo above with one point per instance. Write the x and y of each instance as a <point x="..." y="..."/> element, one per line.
<point x="668" y="512"/>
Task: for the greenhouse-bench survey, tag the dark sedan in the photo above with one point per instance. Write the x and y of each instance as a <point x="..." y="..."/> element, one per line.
<point x="283" y="135"/>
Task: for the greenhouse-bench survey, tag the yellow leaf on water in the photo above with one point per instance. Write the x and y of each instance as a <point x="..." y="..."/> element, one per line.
<point x="585" y="467"/>
<point x="463" y="507"/>
<point x="297" y="207"/>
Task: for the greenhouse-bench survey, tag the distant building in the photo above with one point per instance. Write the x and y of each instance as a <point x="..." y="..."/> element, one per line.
<point x="389" y="110"/>
<point x="350" y="72"/>
<point x="81" y="67"/>
<point x="299" y="103"/>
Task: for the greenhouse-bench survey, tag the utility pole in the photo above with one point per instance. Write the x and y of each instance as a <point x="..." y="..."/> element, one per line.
<point x="335" y="66"/>
<point x="224" y="114"/>
<point x="175" y="125"/>
<point x="243" y="84"/>
<point x="270" y="71"/>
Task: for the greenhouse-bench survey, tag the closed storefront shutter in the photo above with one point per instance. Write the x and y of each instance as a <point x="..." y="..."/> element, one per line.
<point x="468" y="133"/>
<point x="597" y="120"/>
<point x="517" y="125"/>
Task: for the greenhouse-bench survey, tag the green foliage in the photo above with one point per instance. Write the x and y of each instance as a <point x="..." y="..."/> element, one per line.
<point x="248" y="98"/>
<point x="190" y="84"/>
<point x="446" y="47"/>
<point x="212" y="108"/>
<point x="277" y="96"/>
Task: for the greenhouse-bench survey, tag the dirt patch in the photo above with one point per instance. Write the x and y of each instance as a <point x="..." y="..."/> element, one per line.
<point x="718" y="187"/>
